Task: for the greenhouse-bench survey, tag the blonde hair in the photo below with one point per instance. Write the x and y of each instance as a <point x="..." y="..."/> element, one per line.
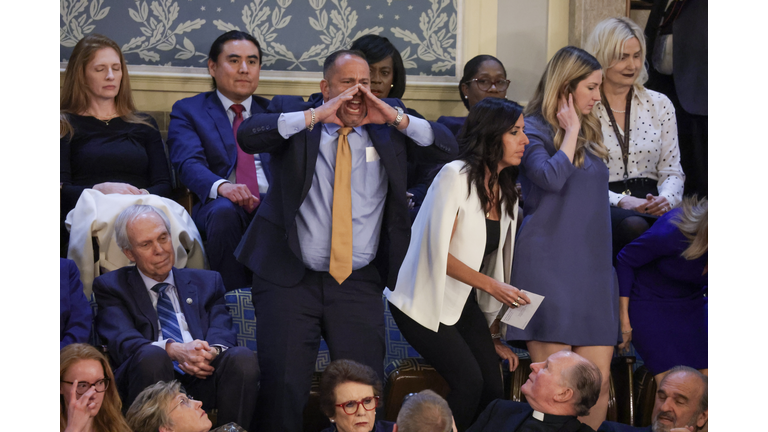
<point x="74" y="95"/>
<point x="149" y="412"/>
<point x="568" y="67"/>
<point x="692" y="222"/>
<point x="109" y="418"/>
<point x="607" y="40"/>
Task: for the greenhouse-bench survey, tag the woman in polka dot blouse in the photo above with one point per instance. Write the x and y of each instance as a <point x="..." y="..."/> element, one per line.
<point x="646" y="179"/>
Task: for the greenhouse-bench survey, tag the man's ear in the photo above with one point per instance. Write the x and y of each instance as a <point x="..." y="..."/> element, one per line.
<point x="702" y="419"/>
<point x="564" y="395"/>
<point x="165" y="429"/>
<point x="325" y="90"/>
<point x="211" y="67"/>
<point x="129" y="253"/>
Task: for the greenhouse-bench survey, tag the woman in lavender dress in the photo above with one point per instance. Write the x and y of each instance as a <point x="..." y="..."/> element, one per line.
<point x="663" y="287"/>
<point x="563" y="249"/>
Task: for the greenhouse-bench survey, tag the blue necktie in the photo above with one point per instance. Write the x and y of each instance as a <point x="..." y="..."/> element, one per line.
<point x="168" y="320"/>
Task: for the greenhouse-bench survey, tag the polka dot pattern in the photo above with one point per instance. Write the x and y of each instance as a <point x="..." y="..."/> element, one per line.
<point x="653" y="149"/>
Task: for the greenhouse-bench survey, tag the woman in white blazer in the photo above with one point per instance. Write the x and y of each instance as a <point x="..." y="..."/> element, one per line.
<point x="462" y="239"/>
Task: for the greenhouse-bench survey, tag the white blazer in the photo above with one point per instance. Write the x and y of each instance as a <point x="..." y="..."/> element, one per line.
<point x="424" y="291"/>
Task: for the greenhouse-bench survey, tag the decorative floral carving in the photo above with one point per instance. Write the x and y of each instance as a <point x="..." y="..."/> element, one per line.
<point x="438" y="41"/>
<point x="76" y="27"/>
<point x="159" y="31"/>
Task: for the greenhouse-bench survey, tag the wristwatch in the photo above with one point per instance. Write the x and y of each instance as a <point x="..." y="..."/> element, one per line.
<point x="399" y="117"/>
<point x="218" y="349"/>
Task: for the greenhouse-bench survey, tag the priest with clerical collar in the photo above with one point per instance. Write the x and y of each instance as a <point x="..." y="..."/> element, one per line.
<point x="558" y="390"/>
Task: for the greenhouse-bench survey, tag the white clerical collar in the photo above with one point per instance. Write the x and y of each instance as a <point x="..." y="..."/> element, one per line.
<point x="538" y="415"/>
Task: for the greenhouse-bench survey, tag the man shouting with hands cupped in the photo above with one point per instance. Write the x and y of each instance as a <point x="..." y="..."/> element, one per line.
<point x="333" y="230"/>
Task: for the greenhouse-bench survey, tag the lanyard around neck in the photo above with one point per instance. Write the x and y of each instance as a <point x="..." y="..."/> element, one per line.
<point x="623" y="142"/>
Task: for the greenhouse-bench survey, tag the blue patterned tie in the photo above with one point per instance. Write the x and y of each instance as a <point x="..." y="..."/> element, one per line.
<point x="168" y="320"/>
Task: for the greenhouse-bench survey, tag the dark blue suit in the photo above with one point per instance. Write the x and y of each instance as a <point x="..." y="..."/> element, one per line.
<point x="609" y="426"/>
<point x="452" y="123"/>
<point x="128" y="324"/>
<point x="508" y="416"/>
<point x="76" y="317"/>
<point x="203" y="150"/>
<point x="295" y="305"/>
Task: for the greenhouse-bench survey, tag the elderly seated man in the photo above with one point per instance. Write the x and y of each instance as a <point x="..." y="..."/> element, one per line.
<point x="681" y="404"/>
<point x="425" y="411"/>
<point x="558" y="390"/>
<point x="163" y="323"/>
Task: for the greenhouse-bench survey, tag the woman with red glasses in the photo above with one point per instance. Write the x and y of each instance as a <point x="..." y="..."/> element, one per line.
<point x="88" y="402"/>
<point x="349" y="395"/>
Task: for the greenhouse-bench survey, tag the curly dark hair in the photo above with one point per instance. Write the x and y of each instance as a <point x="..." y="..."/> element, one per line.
<point x="340" y="371"/>
<point x="480" y="144"/>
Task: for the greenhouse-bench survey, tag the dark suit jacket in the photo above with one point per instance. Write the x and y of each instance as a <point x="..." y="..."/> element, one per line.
<point x="270" y="247"/>
<point x="609" y="426"/>
<point x="76" y="317"/>
<point x="690" y="54"/>
<point x="452" y="123"/>
<point x="201" y="143"/>
<point x="127" y="321"/>
<point x="506" y="416"/>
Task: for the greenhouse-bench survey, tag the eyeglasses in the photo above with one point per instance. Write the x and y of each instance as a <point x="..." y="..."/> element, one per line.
<point x="83" y="386"/>
<point x="187" y="401"/>
<point x="485" y="84"/>
<point x="351" y="407"/>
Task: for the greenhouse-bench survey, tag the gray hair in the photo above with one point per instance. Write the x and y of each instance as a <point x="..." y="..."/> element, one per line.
<point x="149" y="411"/>
<point x="704" y="401"/>
<point x="425" y="411"/>
<point x="128" y="215"/>
<point x="607" y="40"/>
<point x="585" y="379"/>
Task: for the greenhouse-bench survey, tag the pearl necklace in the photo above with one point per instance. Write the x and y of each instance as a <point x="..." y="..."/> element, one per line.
<point x="620" y="112"/>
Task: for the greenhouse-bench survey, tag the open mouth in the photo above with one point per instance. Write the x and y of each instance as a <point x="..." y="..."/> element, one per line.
<point x="354" y="107"/>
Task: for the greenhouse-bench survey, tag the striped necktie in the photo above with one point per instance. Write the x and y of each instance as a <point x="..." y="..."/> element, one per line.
<point x="168" y="320"/>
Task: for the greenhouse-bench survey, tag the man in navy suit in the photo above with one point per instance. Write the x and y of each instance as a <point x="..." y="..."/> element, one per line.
<point x="139" y="306"/>
<point x="558" y="390"/>
<point x="228" y="183"/>
<point x="681" y="404"/>
<point x="297" y="294"/>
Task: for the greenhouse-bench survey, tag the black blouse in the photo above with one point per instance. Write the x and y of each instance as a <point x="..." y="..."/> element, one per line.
<point x="116" y="152"/>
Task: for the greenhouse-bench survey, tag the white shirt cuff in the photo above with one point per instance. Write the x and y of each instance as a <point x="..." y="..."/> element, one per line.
<point x="214" y="193"/>
<point x="419" y="131"/>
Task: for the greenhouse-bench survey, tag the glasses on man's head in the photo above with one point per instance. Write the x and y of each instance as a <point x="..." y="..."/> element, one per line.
<point x="351" y="407"/>
<point x="185" y="400"/>
<point x="485" y="84"/>
<point x="83" y="386"/>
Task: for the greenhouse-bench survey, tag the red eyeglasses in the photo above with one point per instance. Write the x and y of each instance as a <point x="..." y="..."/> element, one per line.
<point x="351" y="407"/>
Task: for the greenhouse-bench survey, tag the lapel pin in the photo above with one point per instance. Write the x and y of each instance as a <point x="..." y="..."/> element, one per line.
<point x="189" y="301"/>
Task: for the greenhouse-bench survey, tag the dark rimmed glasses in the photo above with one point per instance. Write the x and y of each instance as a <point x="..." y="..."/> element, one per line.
<point x="83" y="386"/>
<point x="351" y="407"/>
<point x="186" y="400"/>
<point x="485" y="84"/>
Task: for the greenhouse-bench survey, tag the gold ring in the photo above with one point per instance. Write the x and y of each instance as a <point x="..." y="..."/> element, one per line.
<point x="515" y="304"/>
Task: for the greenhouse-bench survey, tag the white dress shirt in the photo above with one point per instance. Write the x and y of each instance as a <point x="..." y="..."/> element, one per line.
<point x="262" y="178"/>
<point x="173" y="294"/>
<point x="653" y="149"/>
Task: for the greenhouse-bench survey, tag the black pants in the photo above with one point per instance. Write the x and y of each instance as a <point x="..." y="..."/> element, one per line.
<point x="463" y="354"/>
<point x="290" y="321"/>
<point x="232" y="388"/>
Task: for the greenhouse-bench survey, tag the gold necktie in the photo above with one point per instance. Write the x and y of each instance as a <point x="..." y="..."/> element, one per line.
<point x="341" y="229"/>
